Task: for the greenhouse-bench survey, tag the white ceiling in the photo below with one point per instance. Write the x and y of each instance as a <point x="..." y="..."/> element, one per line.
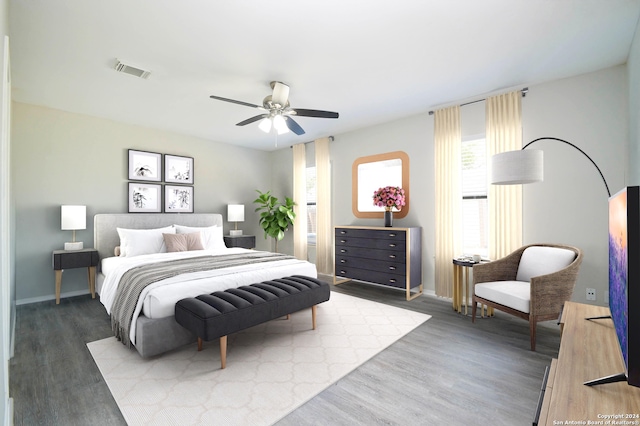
<point x="371" y="61"/>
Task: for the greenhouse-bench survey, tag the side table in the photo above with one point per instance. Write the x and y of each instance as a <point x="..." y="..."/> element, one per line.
<point x="243" y="241"/>
<point x="461" y="290"/>
<point x="68" y="259"/>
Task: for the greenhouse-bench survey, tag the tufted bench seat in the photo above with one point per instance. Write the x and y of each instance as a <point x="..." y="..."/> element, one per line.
<point x="216" y="315"/>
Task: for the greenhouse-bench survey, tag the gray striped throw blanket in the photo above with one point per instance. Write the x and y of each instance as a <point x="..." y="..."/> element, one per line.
<point x="134" y="281"/>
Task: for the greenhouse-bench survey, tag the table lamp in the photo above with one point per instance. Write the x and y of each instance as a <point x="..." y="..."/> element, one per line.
<point x="73" y="218"/>
<point x="235" y="213"/>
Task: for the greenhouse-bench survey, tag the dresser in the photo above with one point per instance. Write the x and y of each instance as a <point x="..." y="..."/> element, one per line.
<point x="380" y="255"/>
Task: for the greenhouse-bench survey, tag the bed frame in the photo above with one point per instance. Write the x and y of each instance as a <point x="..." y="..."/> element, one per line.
<point x="153" y="336"/>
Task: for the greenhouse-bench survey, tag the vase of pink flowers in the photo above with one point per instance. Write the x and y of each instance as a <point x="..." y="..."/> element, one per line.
<point x="389" y="197"/>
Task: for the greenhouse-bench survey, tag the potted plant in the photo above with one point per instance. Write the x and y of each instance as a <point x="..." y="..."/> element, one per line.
<point x="275" y="217"/>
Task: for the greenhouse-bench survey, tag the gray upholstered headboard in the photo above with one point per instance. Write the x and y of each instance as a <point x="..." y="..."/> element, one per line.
<point x="105" y="235"/>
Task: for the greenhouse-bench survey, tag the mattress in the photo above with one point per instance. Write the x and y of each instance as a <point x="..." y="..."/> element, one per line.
<point x="158" y="299"/>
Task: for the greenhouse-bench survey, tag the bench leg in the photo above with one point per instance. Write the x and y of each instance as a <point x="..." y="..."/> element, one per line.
<point x="223" y="351"/>
<point x="199" y="344"/>
<point x="313" y="316"/>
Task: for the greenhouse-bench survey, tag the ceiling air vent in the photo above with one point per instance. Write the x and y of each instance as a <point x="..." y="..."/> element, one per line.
<point x="128" y="69"/>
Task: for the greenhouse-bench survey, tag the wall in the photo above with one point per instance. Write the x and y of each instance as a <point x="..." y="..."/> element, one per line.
<point x="414" y="135"/>
<point x="633" y="71"/>
<point x="64" y="158"/>
<point x="570" y="206"/>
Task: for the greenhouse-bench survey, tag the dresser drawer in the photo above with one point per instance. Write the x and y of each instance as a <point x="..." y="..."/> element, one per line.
<point x="390" y="234"/>
<point x="372" y="276"/>
<point x="371" y="243"/>
<point x="395" y="268"/>
<point x="367" y="253"/>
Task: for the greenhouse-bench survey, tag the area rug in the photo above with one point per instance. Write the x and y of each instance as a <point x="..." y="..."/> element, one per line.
<point x="271" y="369"/>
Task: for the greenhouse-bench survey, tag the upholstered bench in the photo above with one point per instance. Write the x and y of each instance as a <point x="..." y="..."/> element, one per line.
<point x="216" y="315"/>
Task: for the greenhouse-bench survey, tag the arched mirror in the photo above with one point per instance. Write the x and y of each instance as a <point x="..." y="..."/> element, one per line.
<point x="376" y="171"/>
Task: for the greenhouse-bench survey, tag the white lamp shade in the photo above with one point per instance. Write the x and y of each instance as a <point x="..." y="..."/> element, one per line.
<point x="265" y="125"/>
<point x="235" y="213"/>
<point x="280" y="125"/>
<point x="517" y="167"/>
<point x="73" y="217"/>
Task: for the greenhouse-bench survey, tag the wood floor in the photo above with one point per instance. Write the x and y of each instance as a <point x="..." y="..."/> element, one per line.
<point x="448" y="371"/>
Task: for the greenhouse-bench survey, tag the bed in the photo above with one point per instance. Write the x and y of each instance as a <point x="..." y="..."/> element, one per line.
<point x="153" y="329"/>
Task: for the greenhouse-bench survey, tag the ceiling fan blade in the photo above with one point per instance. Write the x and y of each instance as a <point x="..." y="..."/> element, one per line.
<point x="315" y="113"/>
<point x="293" y="126"/>
<point x="280" y="94"/>
<point x="233" y="101"/>
<point x="252" y="119"/>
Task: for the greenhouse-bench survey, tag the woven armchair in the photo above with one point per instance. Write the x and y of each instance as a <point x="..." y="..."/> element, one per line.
<point x="501" y="284"/>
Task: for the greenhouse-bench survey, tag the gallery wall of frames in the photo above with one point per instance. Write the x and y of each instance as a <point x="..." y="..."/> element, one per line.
<point x="160" y="183"/>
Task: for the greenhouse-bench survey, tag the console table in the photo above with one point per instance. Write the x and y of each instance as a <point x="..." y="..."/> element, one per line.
<point x="588" y="350"/>
<point x="382" y="255"/>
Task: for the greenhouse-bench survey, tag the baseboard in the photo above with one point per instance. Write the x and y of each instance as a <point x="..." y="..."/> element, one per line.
<point x="51" y="297"/>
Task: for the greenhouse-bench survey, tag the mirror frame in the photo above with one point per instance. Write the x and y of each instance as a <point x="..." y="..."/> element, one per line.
<point x="404" y="158"/>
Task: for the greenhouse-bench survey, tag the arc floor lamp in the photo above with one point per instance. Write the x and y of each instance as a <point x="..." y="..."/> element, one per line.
<point x="526" y="166"/>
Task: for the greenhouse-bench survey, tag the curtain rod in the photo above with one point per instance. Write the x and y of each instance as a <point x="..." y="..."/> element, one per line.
<point x="331" y="138"/>
<point x="524" y="93"/>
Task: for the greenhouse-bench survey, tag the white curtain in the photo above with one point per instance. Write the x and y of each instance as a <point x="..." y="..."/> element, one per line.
<point x="448" y="140"/>
<point x="324" y="228"/>
<point x="300" y="198"/>
<point x="504" y="133"/>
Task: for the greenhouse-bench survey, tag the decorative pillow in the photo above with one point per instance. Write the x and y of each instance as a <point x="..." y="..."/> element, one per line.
<point x="211" y="235"/>
<point x="182" y="242"/>
<point x="536" y="261"/>
<point x="136" y="242"/>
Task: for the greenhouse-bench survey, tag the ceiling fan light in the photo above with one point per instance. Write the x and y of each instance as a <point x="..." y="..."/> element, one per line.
<point x="280" y="125"/>
<point x="265" y="125"/>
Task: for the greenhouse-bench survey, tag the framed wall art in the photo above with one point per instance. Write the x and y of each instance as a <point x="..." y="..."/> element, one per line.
<point x="178" y="169"/>
<point x="178" y="199"/>
<point x="145" y="165"/>
<point x="145" y="197"/>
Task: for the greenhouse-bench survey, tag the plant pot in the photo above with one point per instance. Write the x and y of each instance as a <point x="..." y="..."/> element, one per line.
<point x="388" y="218"/>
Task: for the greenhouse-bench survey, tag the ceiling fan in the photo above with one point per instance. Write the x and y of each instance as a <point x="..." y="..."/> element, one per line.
<point x="278" y="113"/>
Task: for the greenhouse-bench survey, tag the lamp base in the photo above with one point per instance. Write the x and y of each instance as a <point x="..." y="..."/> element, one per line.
<point x="73" y="246"/>
<point x="235" y="232"/>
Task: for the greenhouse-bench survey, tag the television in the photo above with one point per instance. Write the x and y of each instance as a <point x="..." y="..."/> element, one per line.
<point x="624" y="282"/>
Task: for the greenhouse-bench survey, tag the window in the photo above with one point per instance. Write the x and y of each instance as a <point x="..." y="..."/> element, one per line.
<point x="311" y="205"/>
<point x="475" y="207"/>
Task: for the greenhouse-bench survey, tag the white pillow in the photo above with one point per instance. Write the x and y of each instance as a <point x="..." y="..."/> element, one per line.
<point x="136" y="242"/>
<point x="536" y="261"/>
<point x="211" y="235"/>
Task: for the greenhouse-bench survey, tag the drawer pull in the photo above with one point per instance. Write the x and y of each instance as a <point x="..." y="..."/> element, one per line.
<point x="343" y="232"/>
<point x="343" y="251"/>
<point x="392" y="256"/>
<point x="342" y="272"/>
<point x="392" y="268"/>
<point x="392" y="280"/>
<point x="343" y="241"/>
<point x="392" y="245"/>
<point x="392" y="235"/>
<point x="343" y="261"/>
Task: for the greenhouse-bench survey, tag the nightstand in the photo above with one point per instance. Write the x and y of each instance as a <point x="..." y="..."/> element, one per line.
<point x="244" y="241"/>
<point x="68" y="259"/>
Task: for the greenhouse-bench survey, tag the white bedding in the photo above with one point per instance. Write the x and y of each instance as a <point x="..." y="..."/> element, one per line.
<point x="158" y="300"/>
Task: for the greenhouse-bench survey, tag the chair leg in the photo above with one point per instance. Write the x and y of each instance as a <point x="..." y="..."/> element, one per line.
<point x="474" y="307"/>
<point x="532" y="332"/>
